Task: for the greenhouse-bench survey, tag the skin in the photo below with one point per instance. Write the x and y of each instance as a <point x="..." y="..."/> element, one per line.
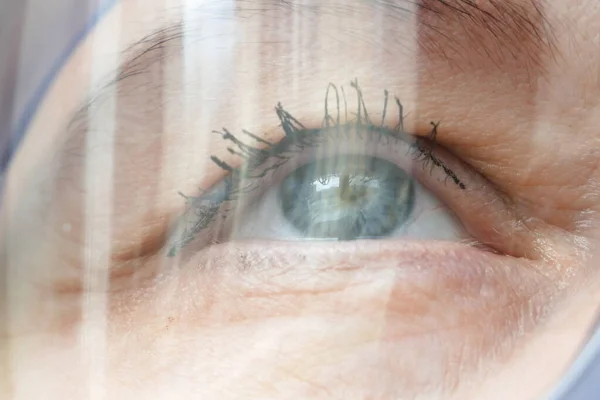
<point x="94" y="308"/>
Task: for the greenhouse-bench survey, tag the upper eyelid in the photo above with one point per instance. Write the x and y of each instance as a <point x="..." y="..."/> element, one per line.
<point x="499" y="28"/>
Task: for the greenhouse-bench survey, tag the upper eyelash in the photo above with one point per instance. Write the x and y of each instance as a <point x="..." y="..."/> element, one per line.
<point x="205" y="207"/>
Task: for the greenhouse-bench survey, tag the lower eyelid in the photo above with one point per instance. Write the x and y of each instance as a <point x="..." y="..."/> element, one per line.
<point x="420" y="260"/>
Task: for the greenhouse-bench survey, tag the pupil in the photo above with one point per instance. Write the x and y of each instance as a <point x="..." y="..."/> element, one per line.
<point x="347" y="197"/>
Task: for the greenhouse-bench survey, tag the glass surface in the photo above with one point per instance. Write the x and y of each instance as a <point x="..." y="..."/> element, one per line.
<point x="188" y="184"/>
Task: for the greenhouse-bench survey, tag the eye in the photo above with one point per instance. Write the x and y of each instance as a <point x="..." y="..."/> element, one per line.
<point x="340" y="182"/>
<point x="346" y="197"/>
<point x="349" y="179"/>
<point x="347" y="187"/>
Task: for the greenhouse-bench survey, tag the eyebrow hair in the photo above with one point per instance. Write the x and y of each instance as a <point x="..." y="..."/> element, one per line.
<point x="495" y="29"/>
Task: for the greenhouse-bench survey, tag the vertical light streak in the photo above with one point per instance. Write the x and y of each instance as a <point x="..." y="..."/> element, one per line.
<point x="408" y="30"/>
<point x="245" y="56"/>
<point x="98" y="186"/>
<point x="298" y="26"/>
<point x="172" y="121"/>
<point x="208" y="54"/>
<point x="249" y="58"/>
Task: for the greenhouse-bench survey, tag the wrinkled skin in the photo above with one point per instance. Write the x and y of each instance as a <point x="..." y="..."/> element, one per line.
<point x="95" y="309"/>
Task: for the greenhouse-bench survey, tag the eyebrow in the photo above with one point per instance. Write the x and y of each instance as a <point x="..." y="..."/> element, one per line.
<point x="462" y="33"/>
<point x="459" y="31"/>
<point x="495" y="30"/>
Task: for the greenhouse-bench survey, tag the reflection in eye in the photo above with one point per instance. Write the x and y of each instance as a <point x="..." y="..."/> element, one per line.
<point x="347" y="197"/>
<point x="358" y="189"/>
<point x="343" y="182"/>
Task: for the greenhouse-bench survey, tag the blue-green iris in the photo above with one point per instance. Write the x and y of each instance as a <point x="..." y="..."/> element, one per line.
<point x="347" y="197"/>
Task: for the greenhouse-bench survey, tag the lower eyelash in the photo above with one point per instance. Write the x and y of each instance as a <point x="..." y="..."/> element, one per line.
<point x="205" y="208"/>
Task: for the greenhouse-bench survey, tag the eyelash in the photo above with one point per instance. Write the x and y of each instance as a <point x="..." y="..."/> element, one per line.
<point x="205" y="208"/>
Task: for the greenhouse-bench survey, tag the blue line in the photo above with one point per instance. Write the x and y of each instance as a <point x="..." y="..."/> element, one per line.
<point x="32" y="106"/>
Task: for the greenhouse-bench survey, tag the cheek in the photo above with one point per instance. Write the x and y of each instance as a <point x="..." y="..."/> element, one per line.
<point x="316" y="326"/>
<point x="290" y="320"/>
